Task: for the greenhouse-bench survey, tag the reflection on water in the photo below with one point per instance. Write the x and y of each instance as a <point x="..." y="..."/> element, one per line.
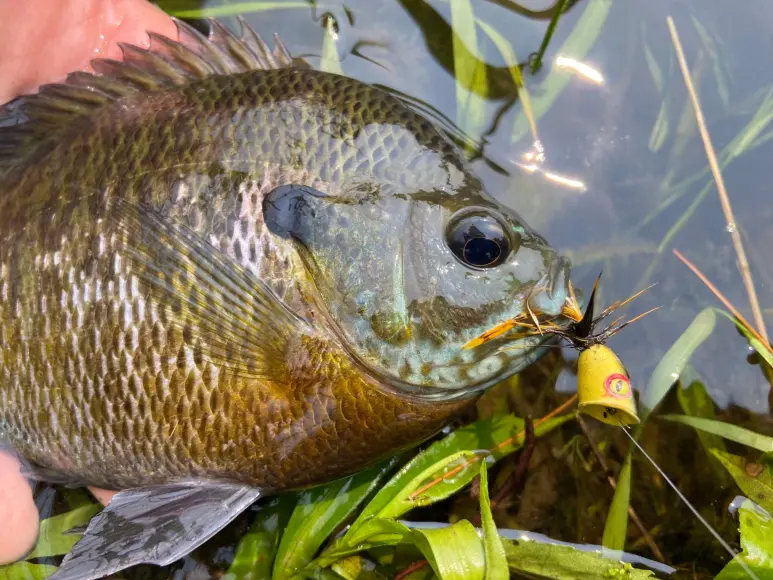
<point x="613" y="173"/>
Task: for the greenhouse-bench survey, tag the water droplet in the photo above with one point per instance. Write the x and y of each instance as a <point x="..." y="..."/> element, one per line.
<point x="730" y="228"/>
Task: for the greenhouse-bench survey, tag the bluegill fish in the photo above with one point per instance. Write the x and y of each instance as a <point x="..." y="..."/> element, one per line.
<point x="224" y="274"/>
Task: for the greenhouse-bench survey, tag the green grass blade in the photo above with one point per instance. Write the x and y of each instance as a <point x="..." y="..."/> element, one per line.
<point x="496" y="561"/>
<point x="659" y="129"/>
<point x="52" y="540"/>
<point x="254" y="557"/>
<point x="720" y="72"/>
<point x="755" y="480"/>
<point x="318" y="513"/>
<point x="559" y="562"/>
<point x="616" y="527"/>
<point x="469" y="70"/>
<point x="331" y="60"/>
<point x="454" y="552"/>
<point x="726" y="430"/>
<point x="578" y="43"/>
<point x="673" y="362"/>
<point x="652" y="65"/>
<point x="171" y="7"/>
<point x="26" y="571"/>
<point x="505" y="48"/>
<point x="741" y="143"/>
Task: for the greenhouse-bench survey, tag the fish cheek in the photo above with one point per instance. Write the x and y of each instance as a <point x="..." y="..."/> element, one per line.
<point x="354" y="250"/>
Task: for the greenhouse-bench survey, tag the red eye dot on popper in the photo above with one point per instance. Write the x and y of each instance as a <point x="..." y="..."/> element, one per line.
<point x="617" y="385"/>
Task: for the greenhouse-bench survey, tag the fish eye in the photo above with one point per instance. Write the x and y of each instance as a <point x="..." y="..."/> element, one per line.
<point x="478" y="240"/>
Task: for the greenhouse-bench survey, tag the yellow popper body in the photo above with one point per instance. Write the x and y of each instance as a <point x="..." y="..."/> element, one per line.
<point x="604" y="387"/>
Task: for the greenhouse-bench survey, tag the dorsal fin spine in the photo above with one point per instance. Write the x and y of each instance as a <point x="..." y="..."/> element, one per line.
<point x="40" y="117"/>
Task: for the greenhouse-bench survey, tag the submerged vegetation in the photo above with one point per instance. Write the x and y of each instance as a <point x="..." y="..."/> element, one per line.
<point x="527" y="487"/>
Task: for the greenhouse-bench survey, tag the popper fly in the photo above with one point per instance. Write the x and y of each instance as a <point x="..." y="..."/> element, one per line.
<point x="603" y="384"/>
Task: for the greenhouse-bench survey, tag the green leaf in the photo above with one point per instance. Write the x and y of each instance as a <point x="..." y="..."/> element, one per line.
<point x="670" y="367"/>
<point x="695" y="401"/>
<point x="753" y="341"/>
<point x="577" y="44"/>
<point x="374" y="533"/>
<point x="426" y="488"/>
<point x="501" y="435"/>
<point x="331" y="60"/>
<point x="757" y="543"/>
<point x="255" y="553"/>
<point x="469" y="69"/>
<point x="233" y="9"/>
<point x="496" y="562"/>
<point x="52" y="540"/>
<point x="26" y="571"/>
<point x="357" y="568"/>
<point x="754" y="479"/>
<point x="455" y="552"/>
<point x="726" y="430"/>
<point x="616" y="527"/>
<point x="566" y="563"/>
<point x="318" y="513"/>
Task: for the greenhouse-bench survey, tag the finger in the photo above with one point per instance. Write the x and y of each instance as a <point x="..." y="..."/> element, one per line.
<point x="103" y="495"/>
<point x="18" y="512"/>
<point x="43" y="40"/>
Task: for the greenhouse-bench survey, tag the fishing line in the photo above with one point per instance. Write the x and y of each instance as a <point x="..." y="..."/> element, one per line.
<point x="714" y="533"/>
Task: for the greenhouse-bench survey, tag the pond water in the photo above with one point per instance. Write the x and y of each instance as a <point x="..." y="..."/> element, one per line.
<point x="624" y="181"/>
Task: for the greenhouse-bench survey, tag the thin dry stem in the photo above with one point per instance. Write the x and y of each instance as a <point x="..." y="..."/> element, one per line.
<point x="743" y="263"/>
<point x="724" y="300"/>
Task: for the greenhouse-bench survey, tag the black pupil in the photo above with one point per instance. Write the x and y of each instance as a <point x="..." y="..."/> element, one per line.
<point x="478" y="241"/>
<point x="481" y="251"/>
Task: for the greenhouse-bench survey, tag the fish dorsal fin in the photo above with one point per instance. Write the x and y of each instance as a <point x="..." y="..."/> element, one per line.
<point x="33" y="121"/>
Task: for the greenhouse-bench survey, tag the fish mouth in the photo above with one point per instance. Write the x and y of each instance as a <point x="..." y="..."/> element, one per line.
<point x="510" y="346"/>
<point x="551" y="295"/>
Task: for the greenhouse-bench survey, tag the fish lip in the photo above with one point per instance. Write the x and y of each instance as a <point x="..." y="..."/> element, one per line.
<point x="558" y="277"/>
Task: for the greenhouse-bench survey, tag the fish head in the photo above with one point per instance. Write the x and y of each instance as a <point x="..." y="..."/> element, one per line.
<point x="410" y="258"/>
<point x="407" y="281"/>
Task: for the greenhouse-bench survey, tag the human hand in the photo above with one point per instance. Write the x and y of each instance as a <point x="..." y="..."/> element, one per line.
<point x="43" y="40"/>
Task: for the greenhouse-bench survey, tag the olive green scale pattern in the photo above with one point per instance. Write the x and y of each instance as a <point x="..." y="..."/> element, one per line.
<point x="110" y="383"/>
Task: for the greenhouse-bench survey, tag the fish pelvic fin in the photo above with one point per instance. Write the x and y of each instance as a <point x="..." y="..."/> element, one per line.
<point x="31" y="123"/>
<point x="153" y="525"/>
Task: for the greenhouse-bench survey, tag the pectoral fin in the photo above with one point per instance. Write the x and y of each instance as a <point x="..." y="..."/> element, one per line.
<point x="153" y="525"/>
